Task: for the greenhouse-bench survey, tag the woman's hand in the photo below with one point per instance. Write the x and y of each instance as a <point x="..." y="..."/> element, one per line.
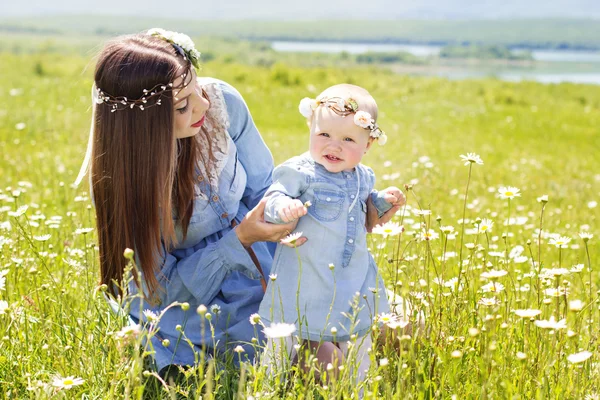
<point x="254" y="228"/>
<point x="373" y="218"/>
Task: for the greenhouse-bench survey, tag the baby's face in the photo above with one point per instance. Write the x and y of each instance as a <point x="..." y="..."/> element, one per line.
<point x="337" y="142"/>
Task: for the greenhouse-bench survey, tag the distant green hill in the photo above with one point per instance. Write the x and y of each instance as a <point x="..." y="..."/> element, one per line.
<point x="578" y="34"/>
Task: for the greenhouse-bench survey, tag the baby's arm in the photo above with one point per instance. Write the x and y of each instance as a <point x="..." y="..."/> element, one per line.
<point x="283" y="205"/>
<point x="387" y="198"/>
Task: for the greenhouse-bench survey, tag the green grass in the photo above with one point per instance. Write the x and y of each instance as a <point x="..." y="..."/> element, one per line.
<point x="542" y="139"/>
<point x="529" y="33"/>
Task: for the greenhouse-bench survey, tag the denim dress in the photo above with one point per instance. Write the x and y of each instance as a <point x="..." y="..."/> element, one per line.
<point x="332" y="280"/>
<point x="211" y="267"/>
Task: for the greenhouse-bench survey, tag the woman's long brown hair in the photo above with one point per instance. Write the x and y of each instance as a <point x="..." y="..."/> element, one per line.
<point x="141" y="175"/>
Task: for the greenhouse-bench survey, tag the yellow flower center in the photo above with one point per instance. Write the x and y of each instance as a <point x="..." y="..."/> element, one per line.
<point x="68" y="382"/>
<point x="508" y="194"/>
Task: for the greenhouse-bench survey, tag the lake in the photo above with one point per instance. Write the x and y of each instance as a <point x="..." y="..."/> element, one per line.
<point x="555" y="65"/>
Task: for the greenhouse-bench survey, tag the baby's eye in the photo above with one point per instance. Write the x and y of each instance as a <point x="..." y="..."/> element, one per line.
<point x="348" y="139"/>
<point x="324" y="134"/>
<point x="183" y="109"/>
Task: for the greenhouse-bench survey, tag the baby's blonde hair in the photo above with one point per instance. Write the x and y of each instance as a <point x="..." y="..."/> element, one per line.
<point x="365" y="101"/>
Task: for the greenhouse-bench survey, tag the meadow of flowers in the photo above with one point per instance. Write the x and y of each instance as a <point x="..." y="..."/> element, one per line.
<point x="492" y="266"/>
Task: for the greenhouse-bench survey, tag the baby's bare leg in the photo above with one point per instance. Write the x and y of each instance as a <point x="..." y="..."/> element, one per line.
<point x="325" y="353"/>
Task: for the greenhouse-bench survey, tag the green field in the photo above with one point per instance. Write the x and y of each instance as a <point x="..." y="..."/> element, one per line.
<point x="527" y="33"/>
<point x="542" y="139"/>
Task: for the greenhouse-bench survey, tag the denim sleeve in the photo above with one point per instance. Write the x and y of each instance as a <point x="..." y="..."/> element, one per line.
<point x="202" y="272"/>
<point x="378" y="197"/>
<point x="253" y="153"/>
<point x="288" y="182"/>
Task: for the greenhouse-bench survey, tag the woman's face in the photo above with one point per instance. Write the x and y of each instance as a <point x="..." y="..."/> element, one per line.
<point x="189" y="107"/>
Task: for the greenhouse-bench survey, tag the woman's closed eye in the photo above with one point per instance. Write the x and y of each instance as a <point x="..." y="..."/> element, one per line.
<point x="183" y="109"/>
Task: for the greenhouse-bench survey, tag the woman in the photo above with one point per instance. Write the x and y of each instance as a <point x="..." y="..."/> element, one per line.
<point x="178" y="171"/>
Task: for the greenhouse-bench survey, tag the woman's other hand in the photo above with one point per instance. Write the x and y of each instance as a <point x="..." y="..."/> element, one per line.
<point x="254" y="228"/>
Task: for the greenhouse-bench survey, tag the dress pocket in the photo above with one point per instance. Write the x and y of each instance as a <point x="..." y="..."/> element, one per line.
<point x="327" y="205"/>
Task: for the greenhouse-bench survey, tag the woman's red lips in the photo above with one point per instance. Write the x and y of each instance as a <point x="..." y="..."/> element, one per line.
<point x="199" y="123"/>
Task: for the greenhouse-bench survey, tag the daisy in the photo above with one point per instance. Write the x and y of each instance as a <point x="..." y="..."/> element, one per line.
<point x="447" y="229"/>
<point x="471" y="158"/>
<point x="3" y="306"/>
<point x="586" y="236"/>
<point x="279" y="330"/>
<point x="41" y="238"/>
<point x="291" y="239"/>
<point x="493" y="274"/>
<point x="554" y="272"/>
<point x="508" y="192"/>
<point x="527" y="313"/>
<point x="388" y="229"/>
<point x="485" y="225"/>
<point x="429" y="234"/>
<point x="575" y="305"/>
<point x="577" y="268"/>
<point x="492" y="287"/>
<point x="254" y="319"/>
<point x="83" y="231"/>
<point x="67" y="383"/>
<point x="579" y="357"/>
<point x="485" y="301"/>
<point x="561" y="242"/>
<point x="421" y="212"/>
<point x="551" y="323"/>
<point x="556" y="292"/>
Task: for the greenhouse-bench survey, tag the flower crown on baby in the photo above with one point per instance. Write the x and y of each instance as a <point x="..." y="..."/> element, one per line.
<point x="344" y="107"/>
<point x="183" y="45"/>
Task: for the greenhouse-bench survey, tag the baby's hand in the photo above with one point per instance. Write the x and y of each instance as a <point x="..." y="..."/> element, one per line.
<point x="291" y="210"/>
<point x="394" y="196"/>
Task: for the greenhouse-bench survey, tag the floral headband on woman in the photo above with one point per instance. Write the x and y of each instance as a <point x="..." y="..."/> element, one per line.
<point x="183" y="45"/>
<point x="344" y="107"/>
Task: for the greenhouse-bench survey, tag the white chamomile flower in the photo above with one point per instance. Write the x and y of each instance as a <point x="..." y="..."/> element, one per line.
<point x="291" y="239"/>
<point x="254" y="319"/>
<point x="492" y="287"/>
<point x="551" y="323"/>
<point x="388" y="229"/>
<point x="576" y="305"/>
<point x="42" y="238"/>
<point x="447" y="229"/>
<point x="586" y="236"/>
<point x="215" y="309"/>
<point x="151" y="316"/>
<point x="362" y="119"/>
<point x="493" y="274"/>
<point x="279" y="330"/>
<point x="527" y="313"/>
<point x="579" y="357"/>
<point x="239" y="349"/>
<point x="543" y="199"/>
<point x="382" y="139"/>
<point x="562" y="242"/>
<point x="67" y="383"/>
<point x="508" y="192"/>
<point x="306" y="107"/>
<point x="471" y="158"/>
<point x="3" y="306"/>
<point x="488" y="301"/>
<point x="485" y="225"/>
<point x="427" y="235"/>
